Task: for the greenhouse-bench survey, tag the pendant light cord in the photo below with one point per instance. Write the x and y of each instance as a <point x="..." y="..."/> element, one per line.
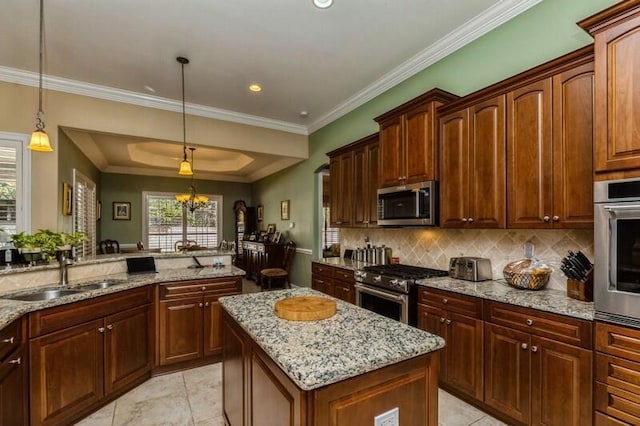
<point x="40" y="124"/>
<point x="184" y="121"/>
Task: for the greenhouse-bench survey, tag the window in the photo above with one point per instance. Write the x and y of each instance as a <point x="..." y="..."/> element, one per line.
<point x="84" y="212"/>
<point x="15" y="184"/>
<point x="166" y="222"/>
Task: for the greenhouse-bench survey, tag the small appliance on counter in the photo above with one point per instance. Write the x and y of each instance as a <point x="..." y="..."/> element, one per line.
<point x="470" y="268"/>
<point x="376" y="255"/>
<point x="579" y="271"/>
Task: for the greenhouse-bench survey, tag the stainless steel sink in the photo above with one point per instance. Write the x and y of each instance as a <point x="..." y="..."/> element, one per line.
<point x="42" y="295"/>
<point x="101" y="284"/>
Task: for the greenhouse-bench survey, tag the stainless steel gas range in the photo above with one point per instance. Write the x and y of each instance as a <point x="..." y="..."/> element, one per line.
<point x="390" y="290"/>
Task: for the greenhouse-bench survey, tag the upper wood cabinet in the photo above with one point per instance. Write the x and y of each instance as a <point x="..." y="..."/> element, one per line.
<point x="354" y="176"/>
<point x="617" y="60"/>
<point x="408" y="140"/>
<point x="549" y="145"/>
<point x="473" y="166"/>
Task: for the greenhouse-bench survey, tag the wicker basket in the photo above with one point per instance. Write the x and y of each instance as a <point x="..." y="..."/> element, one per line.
<point x="516" y="275"/>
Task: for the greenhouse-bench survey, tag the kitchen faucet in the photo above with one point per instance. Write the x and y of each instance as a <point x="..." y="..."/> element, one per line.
<point x="64" y="261"/>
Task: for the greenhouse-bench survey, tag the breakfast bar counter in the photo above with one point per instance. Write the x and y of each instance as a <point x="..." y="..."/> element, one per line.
<point x="351" y="367"/>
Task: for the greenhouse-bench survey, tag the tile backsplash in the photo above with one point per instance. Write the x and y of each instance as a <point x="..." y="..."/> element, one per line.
<point x="432" y="247"/>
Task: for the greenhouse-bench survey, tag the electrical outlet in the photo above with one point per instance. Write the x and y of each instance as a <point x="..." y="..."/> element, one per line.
<point x="390" y="418"/>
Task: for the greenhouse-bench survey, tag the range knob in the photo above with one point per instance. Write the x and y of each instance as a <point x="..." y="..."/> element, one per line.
<point x="394" y="283"/>
<point x="377" y="278"/>
<point x="360" y="274"/>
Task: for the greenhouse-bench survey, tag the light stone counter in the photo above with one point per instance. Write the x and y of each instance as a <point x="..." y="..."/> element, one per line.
<point x="343" y="263"/>
<point x="317" y="353"/>
<point x="14" y="309"/>
<point x="555" y="301"/>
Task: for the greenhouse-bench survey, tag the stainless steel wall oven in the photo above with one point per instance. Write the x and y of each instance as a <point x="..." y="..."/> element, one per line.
<point x="617" y="251"/>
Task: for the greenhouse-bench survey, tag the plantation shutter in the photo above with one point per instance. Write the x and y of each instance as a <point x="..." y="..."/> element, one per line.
<point x="84" y="212"/>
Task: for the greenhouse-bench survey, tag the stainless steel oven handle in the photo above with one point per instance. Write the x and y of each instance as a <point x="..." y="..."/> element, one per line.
<point x="626" y="207"/>
<point x="383" y="294"/>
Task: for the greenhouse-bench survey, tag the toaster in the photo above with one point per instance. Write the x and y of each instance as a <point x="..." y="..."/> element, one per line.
<point x="470" y="268"/>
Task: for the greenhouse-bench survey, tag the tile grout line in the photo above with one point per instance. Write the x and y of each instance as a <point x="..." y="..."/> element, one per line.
<point x="186" y="390"/>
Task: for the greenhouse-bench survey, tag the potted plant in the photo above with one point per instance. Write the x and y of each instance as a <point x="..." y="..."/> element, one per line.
<point x="28" y="246"/>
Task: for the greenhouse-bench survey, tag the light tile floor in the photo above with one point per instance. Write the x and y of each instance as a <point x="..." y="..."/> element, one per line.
<point x="194" y="398"/>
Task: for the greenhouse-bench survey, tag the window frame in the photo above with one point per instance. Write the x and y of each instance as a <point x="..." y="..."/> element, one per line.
<point x="23" y="177"/>
<point x="88" y="247"/>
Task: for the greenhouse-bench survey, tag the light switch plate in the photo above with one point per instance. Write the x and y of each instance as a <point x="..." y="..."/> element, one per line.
<point x="389" y="418"/>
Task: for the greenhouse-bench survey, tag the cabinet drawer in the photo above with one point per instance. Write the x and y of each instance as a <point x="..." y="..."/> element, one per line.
<point x="618" y="372"/>
<point x="219" y="286"/>
<point x="344" y="275"/>
<point x="557" y="327"/>
<point x="604" y="420"/>
<point x="617" y="340"/>
<point x="65" y="316"/>
<point x="10" y="338"/>
<point x="319" y="269"/>
<point x="618" y="403"/>
<point x="454" y="302"/>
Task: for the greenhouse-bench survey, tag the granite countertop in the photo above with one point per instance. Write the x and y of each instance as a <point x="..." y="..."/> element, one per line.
<point x="11" y="310"/>
<point x="343" y="263"/>
<point x="317" y="353"/>
<point x="554" y="301"/>
<point x="106" y="258"/>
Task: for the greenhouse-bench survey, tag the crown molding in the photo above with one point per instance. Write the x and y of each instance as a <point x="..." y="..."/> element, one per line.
<point x="28" y="78"/>
<point x="493" y="17"/>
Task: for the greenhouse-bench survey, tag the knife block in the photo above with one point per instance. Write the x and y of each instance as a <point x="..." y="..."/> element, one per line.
<point x="581" y="290"/>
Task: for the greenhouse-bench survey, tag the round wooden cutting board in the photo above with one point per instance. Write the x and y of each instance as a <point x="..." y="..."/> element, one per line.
<point x="305" y="308"/>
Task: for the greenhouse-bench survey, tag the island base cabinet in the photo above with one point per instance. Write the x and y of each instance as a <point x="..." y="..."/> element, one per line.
<point x="257" y="392"/>
<point x="13" y="389"/>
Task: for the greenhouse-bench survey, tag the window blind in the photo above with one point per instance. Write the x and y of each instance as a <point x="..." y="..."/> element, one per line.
<point x="84" y="212"/>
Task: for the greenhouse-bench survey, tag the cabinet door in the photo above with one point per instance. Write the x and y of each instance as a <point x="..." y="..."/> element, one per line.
<point x="420" y="155"/>
<point x="344" y="291"/>
<point x="14" y="381"/>
<point x="507" y="360"/>
<point x="180" y="330"/>
<point x="617" y="61"/>
<point x="529" y="152"/>
<point x="359" y="200"/>
<point x="561" y="384"/>
<point x="372" y="183"/>
<point x="234" y="374"/>
<point x="454" y="177"/>
<point x="465" y="354"/>
<point x="572" y="143"/>
<point x="335" y="179"/>
<point x="128" y="354"/>
<point x="341" y="181"/>
<point x="66" y="372"/>
<point x="487" y="182"/>
<point x="433" y="320"/>
<point x="391" y="152"/>
<point x="322" y="284"/>
<point x="212" y="326"/>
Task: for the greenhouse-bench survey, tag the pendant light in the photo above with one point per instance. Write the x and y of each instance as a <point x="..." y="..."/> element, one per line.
<point x="185" y="166"/>
<point x="39" y="138"/>
<point x="191" y="199"/>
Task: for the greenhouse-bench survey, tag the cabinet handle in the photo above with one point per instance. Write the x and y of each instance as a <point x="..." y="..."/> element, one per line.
<point x="201" y="304"/>
<point x="524" y="346"/>
<point x="445" y="301"/>
<point x="529" y="322"/>
<point x="16" y="361"/>
<point x="448" y="321"/>
<point x="556" y="218"/>
<point x="320" y="281"/>
<point x="464" y="219"/>
<point x="470" y="219"/>
<point x="9" y="340"/>
<point x="441" y="319"/>
<point x="534" y="349"/>
<point x="546" y="219"/>
<point x="110" y="327"/>
<point x="206" y="303"/>
<point x="338" y="222"/>
<point x="101" y="329"/>
<point x="366" y="222"/>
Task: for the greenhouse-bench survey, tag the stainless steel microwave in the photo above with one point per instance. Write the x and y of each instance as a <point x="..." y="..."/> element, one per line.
<point x="409" y="205"/>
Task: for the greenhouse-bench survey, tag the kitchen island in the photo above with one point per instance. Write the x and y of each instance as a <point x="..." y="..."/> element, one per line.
<point x="344" y="370"/>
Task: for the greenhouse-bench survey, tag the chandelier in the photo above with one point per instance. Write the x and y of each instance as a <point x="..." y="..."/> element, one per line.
<point x="192" y="200"/>
<point x="185" y="166"/>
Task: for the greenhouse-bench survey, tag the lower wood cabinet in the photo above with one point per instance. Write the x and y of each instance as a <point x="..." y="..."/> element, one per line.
<point x="458" y="319"/>
<point x="334" y="281"/>
<point x="86" y="352"/>
<point x="531" y="377"/>
<point x="190" y="322"/>
<point x="14" y="377"/>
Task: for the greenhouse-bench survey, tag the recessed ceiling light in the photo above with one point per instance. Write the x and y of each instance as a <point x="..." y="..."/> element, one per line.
<point x="255" y="88"/>
<point x="150" y="89"/>
<point x="322" y="4"/>
<point x="304" y="113"/>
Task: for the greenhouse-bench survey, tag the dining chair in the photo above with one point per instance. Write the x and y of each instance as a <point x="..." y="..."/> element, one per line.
<point x="268" y="275"/>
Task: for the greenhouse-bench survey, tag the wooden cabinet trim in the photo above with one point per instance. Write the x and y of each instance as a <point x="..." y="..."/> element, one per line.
<point x="545" y="324"/>
<point x="453" y="302"/>
<point x="618" y="372"/>
<point x="219" y="286"/>
<point x="68" y="315"/>
<point x="611" y="16"/>
<point x="11" y="337"/>
<point x="623" y="342"/>
<point x="618" y="403"/>
<point x="437" y="95"/>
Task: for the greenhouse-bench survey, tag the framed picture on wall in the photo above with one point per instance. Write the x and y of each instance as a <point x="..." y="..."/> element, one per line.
<point x="121" y="210"/>
<point x="284" y="210"/>
<point x="66" y="199"/>
<point x="260" y="213"/>
<point x="271" y="228"/>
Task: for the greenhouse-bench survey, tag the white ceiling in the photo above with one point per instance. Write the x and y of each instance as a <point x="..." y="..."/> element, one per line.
<point x="326" y="62"/>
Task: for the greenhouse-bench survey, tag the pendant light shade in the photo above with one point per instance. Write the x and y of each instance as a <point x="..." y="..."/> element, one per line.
<point x="185" y="166"/>
<point x="191" y="200"/>
<point x="39" y="138"/>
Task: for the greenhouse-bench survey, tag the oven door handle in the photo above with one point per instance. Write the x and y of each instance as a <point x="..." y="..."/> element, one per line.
<point x="383" y="294"/>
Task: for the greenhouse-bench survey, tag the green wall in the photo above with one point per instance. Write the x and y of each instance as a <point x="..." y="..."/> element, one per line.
<point x="70" y="157"/>
<point x="540" y="34"/>
<point x="120" y="187"/>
